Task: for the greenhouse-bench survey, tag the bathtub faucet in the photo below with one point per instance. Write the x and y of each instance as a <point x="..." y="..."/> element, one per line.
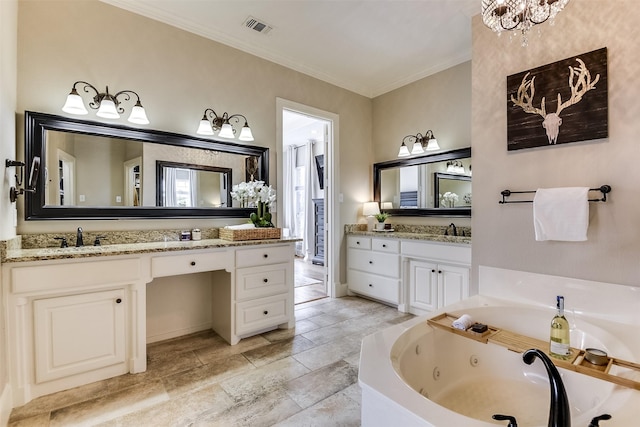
<point x="559" y="412"/>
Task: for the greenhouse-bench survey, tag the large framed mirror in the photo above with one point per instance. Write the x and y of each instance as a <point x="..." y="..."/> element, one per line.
<point x="94" y="170"/>
<point x="432" y="185"/>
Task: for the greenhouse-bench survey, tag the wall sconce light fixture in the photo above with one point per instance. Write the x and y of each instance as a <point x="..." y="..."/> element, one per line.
<point x="212" y="123"/>
<point x="455" y="166"/>
<point x="33" y="177"/>
<point x="108" y="105"/>
<point x="428" y="142"/>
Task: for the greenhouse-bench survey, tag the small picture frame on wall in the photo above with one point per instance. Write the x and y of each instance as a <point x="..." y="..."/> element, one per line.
<point x="559" y="103"/>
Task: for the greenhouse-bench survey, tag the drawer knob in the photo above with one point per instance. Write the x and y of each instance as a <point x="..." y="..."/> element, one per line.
<point x="265" y="312"/>
<point x="384" y="246"/>
<point x="118" y="301"/>
<point x="433" y="270"/>
<point x="439" y="271"/>
<point x="265" y="280"/>
<point x="370" y="285"/>
<point x="357" y="243"/>
<point x="370" y="262"/>
<point x="193" y="263"/>
<point x="266" y="255"/>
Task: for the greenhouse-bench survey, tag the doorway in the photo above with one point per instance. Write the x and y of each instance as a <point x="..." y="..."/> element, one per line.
<point x="306" y="138"/>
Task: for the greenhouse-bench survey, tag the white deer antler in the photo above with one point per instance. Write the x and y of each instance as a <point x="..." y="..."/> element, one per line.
<point x="525" y="99"/>
<point x="582" y="85"/>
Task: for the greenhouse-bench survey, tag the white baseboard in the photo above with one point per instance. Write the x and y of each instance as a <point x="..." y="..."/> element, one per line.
<point x="5" y="405"/>
<point x="178" y="333"/>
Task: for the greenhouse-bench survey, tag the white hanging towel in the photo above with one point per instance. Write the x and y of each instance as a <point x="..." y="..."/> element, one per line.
<point x="561" y="214"/>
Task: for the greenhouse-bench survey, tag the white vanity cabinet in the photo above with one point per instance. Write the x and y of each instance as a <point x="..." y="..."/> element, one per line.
<point x="72" y="322"/>
<point x="264" y="289"/>
<point x="373" y="268"/>
<point x="437" y="274"/>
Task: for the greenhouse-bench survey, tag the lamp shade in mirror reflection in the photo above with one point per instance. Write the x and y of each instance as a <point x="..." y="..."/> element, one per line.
<point x="108" y="105"/>
<point x="212" y="123"/>
<point x="370" y="209"/>
<point x="421" y="143"/>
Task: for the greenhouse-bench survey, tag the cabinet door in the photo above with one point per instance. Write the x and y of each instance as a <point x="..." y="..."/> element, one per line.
<point x="423" y="286"/>
<point x="78" y="333"/>
<point x="454" y="284"/>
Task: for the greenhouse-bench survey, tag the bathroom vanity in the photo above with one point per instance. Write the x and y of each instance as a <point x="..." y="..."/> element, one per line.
<point x="78" y="315"/>
<point x="417" y="272"/>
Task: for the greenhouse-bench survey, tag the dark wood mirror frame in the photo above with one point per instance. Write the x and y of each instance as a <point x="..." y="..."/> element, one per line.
<point x="433" y="158"/>
<point x="36" y="125"/>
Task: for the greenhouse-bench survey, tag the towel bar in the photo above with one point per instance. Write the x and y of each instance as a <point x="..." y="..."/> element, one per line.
<point x="604" y="189"/>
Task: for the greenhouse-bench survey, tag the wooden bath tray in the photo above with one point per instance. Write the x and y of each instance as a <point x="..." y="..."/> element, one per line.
<point x="617" y="371"/>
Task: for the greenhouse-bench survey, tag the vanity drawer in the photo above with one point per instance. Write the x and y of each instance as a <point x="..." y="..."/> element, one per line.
<point x="255" y="315"/>
<point x="256" y="282"/>
<point x="382" y="288"/>
<point x="67" y="275"/>
<point x="263" y="255"/>
<point x="386" y="245"/>
<point x="374" y="262"/>
<point x="359" y="242"/>
<point x="173" y="265"/>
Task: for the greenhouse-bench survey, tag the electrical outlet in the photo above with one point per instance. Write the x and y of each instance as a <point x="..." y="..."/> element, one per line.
<point x="82" y="198"/>
<point x="118" y="199"/>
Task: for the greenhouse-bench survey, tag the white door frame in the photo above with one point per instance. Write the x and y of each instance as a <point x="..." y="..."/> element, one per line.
<point x="332" y="179"/>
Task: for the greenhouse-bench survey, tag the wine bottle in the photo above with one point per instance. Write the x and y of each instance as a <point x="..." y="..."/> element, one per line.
<point x="560" y="341"/>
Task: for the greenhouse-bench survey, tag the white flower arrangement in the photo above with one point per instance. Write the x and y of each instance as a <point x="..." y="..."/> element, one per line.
<point x="249" y="194"/>
<point x="450" y="198"/>
<point x="255" y="194"/>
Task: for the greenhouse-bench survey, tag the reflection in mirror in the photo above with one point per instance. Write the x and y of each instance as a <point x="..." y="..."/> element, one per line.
<point x="416" y="186"/>
<point x="99" y="170"/>
<point x="187" y="185"/>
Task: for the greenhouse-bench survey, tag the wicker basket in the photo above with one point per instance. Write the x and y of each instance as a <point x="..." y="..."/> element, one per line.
<point x="250" y="234"/>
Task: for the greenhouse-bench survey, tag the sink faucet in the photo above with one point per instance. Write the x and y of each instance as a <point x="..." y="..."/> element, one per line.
<point x="453" y="227"/>
<point x="79" y="241"/>
<point x="559" y="413"/>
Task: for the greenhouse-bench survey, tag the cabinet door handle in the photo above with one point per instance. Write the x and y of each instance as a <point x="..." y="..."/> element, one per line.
<point x="265" y="280"/>
<point x="433" y="270"/>
<point x="193" y="263"/>
<point x="118" y="301"/>
<point x="439" y="271"/>
<point x="265" y="312"/>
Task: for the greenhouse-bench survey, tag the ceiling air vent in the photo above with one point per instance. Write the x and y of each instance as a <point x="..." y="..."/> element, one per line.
<point x="257" y="25"/>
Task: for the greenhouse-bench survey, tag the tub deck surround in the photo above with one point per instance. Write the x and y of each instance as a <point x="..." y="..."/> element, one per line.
<point x="397" y="363"/>
<point x="78" y="315"/>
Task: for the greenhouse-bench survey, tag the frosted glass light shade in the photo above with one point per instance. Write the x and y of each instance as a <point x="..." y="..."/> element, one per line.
<point x="417" y="148"/>
<point x="387" y="205"/>
<point x="246" y="134"/>
<point x="226" y="131"/>
<point x="370" y="208"/>
<point x="107" y="109"/>
<point x="404" y="151"/>
<point x="138" y="115"/>
<point x="204" y="128"/>
<point x="74" y="104"/>
<point x="432" y="145"/>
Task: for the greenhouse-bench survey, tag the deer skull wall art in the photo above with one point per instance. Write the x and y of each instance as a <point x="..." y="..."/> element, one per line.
<point x="580" y="95"/>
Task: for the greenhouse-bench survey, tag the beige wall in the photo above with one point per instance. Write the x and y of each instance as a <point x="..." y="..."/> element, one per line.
<point x="442" y="103"/>
<point x="178" y="75"/>
<point x="8" y="55"/>
<point x="503" y="234"/>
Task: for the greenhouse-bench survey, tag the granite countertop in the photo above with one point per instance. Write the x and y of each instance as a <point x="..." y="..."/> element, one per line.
<point x="414" y="232"/>
<point x="40" y="254"/>
<point x="415" y="236"/>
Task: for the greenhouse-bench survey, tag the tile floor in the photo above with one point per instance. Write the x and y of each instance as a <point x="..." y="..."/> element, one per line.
<point x="305" y="376"/>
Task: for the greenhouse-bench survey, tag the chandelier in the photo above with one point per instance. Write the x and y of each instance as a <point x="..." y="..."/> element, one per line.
<point x="212" y="123"/>
<point x="519" y="15"/>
